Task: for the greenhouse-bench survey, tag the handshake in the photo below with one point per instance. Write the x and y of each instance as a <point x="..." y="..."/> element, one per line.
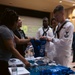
<point x="46" y="38"/>
<point x="42" y="38"/>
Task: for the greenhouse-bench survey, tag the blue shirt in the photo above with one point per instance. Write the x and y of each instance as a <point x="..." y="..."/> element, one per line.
<point x="39" y="47"/>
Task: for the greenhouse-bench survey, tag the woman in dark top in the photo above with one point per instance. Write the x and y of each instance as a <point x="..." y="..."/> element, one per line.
<point x="21" y="35"/>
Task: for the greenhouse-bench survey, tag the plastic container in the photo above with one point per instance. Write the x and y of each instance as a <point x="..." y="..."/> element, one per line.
<point x="14" y="67"/>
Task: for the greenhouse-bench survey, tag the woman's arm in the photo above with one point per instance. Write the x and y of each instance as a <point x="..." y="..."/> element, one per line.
<point x="10" y="46"/>
<point x="21" y="41"/>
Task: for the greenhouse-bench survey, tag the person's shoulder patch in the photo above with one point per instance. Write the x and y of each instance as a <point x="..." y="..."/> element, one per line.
<point x="66" y="35"/>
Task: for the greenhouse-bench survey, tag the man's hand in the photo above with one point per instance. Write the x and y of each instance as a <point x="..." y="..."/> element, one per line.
<point x="27" y="64"/>
<point x="46" y="38"/>
<point x="43" y="37"/>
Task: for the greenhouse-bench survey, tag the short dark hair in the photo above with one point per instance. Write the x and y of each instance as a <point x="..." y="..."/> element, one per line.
<point x="45" y="18"/>
<point x="58" y="8"/>
<point x="9" y="17"/>
<point x="52" y="20"/>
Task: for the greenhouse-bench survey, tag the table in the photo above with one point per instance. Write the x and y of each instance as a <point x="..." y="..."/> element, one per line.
<point x="21" y="70"/>
<point x="50" y="70"/>
<point x="44" y="69"/>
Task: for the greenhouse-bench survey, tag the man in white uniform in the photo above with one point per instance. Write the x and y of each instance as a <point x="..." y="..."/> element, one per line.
<point x="46" y="32"/>
<point x="64" y="37"/>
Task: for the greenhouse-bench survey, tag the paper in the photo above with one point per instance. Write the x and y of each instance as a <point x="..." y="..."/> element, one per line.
<point x="17" y="62"/>
<point x="20" y="71"/>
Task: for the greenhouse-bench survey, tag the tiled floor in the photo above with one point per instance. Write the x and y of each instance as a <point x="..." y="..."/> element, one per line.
<point x="71" y="66"/>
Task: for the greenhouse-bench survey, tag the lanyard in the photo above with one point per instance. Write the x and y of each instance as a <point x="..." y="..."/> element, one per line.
<point x="45" y="32"/>
<point x="59" y="29"/>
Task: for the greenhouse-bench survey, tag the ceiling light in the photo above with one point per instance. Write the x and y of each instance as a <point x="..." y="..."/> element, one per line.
<point x="73" y="4"/>
<point x="60" y="1"/>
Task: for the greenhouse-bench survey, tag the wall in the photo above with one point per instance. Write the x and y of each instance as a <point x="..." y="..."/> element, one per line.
<point x="26" y="12"/>
<point x="70" y="14"/>
<point x="31" y="19"/>
<point x="30" y="25"/>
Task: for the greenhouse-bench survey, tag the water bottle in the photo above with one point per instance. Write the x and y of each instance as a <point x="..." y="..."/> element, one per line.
<point x="14" y="68"/>
<point x="29" y="52"/>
